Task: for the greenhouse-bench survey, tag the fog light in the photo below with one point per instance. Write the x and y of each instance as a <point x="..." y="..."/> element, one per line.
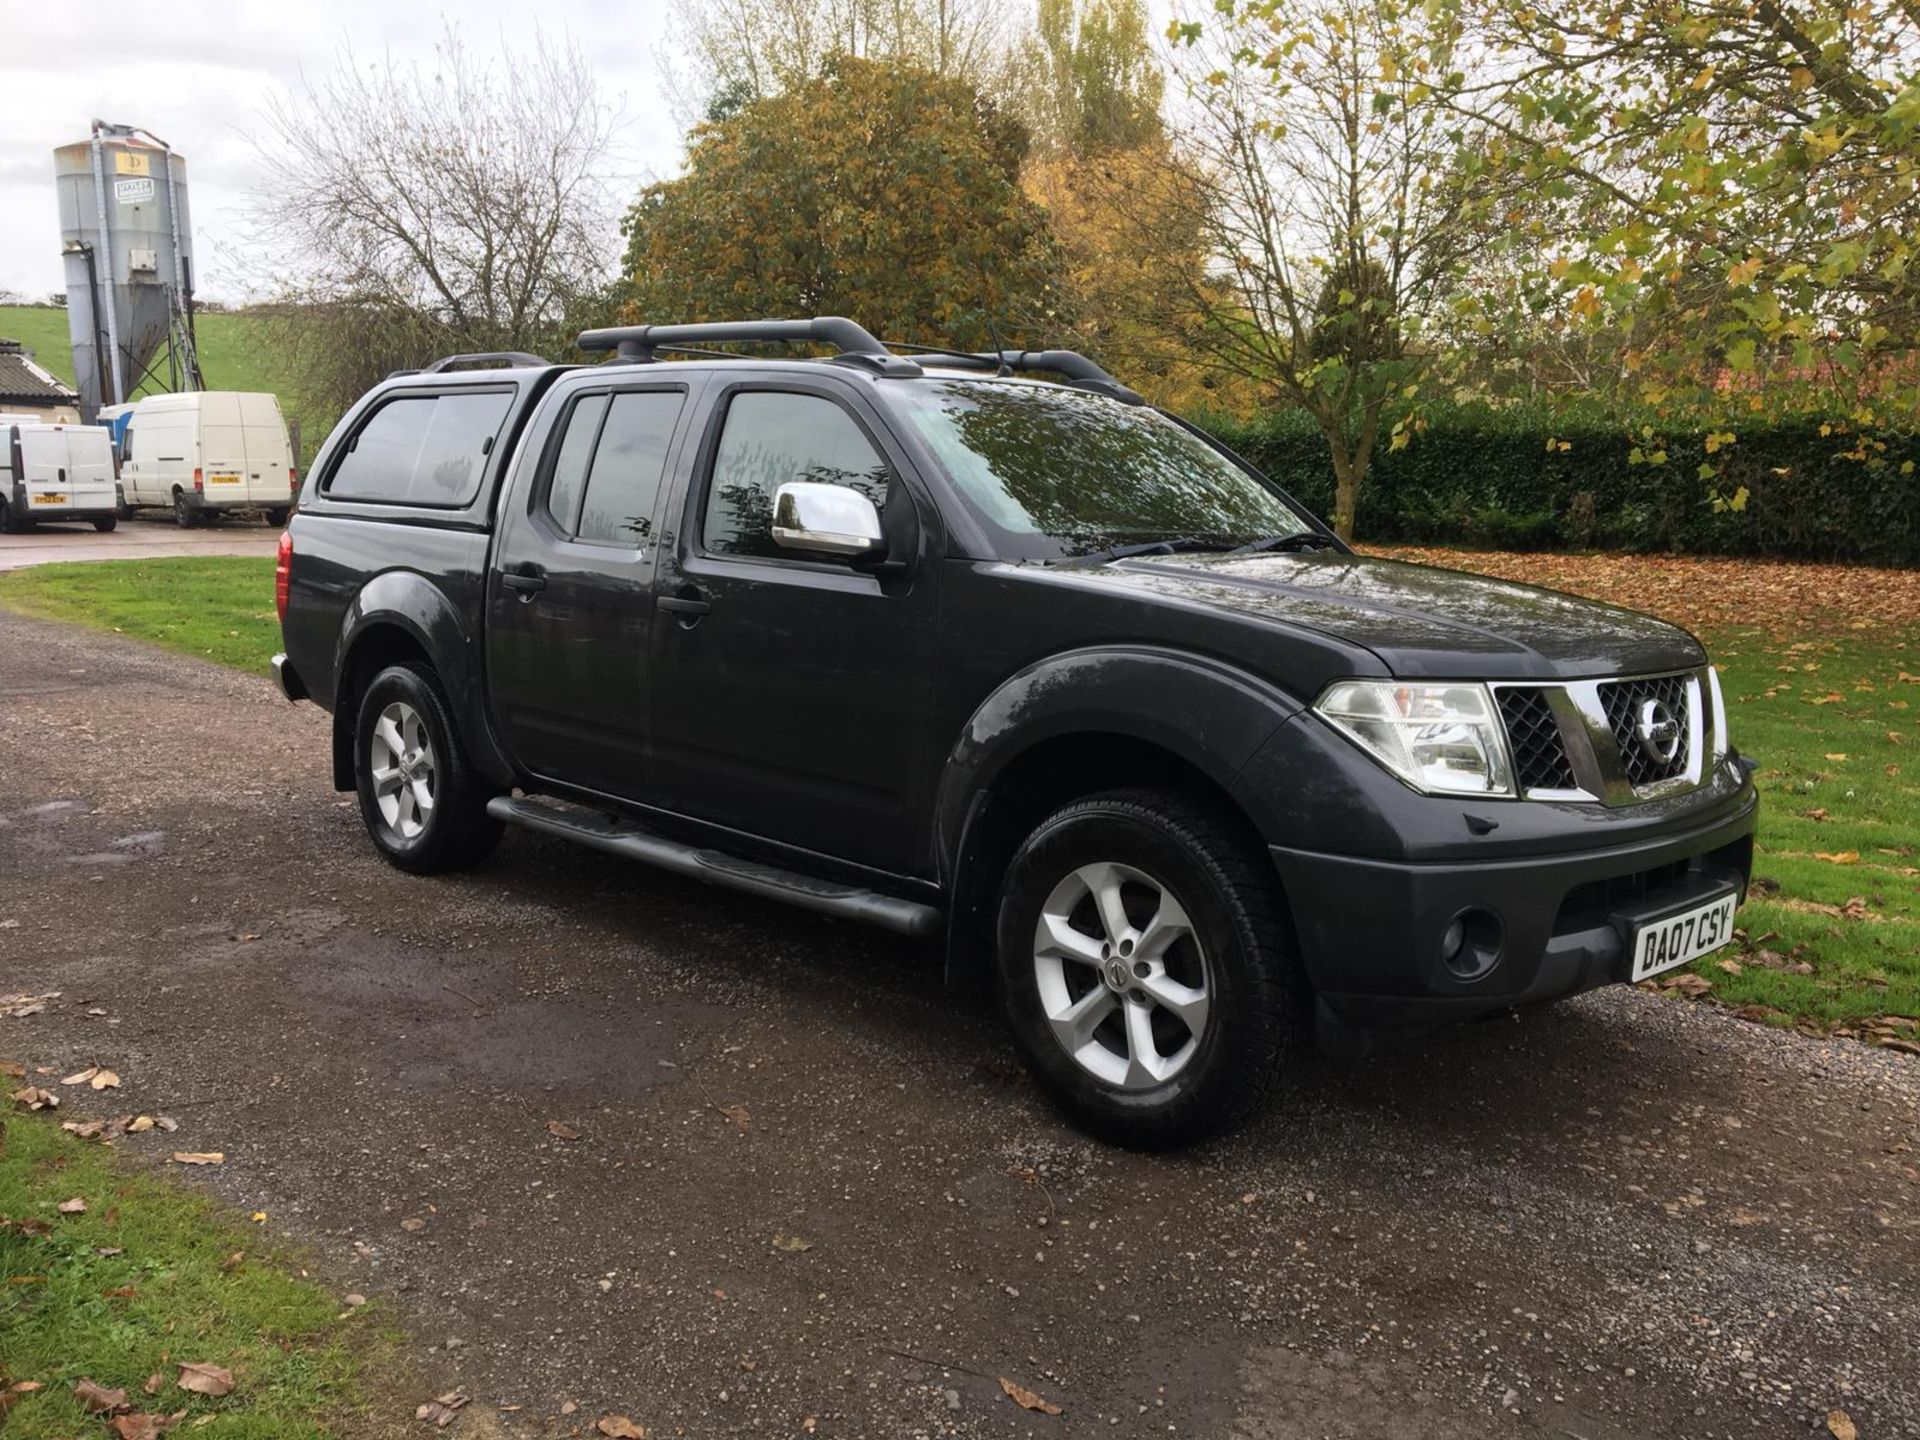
<point x="1470" y="945"/>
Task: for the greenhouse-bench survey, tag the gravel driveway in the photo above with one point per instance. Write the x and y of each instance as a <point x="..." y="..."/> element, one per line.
<point x="1623" y="1217"/>
<point x="149" y="535"/>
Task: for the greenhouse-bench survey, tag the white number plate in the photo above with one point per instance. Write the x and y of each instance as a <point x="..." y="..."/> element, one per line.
<point x="1675" y="939"/>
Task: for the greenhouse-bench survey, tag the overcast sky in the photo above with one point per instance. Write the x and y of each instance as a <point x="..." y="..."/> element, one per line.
<point x="196" y="74"/>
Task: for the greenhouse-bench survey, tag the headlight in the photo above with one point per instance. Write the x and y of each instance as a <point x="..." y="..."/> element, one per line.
<point x="1440" y="739"/>
<point x="1719" y="703"/>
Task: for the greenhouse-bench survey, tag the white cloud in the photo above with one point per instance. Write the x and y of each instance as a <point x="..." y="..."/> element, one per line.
<point x="197" y="74"/>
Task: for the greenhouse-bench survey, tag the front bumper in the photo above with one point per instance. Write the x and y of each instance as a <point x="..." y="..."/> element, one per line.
<point x="1370" y="931"/>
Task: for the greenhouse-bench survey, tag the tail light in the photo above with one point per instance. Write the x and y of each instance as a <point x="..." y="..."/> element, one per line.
<point x="198" y="483"/>
<point x="282" y="572"/>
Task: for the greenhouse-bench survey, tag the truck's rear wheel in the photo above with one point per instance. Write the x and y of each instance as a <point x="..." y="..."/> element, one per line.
<point x="1144" y="960"/>
<point x="183" y="515"/>
<point x="277" y="516"/>
<point x="106" y="523"/>
<point x="423" y="802"/>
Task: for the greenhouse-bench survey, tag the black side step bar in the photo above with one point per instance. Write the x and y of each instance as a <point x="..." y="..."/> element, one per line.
<point x="618" y="837"/>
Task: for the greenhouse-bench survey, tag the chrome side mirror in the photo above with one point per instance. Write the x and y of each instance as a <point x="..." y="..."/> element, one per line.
<point x="825" y="519"/>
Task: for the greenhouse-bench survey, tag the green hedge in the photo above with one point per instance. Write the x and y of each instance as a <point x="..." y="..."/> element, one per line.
<point x="1480" y="476"/>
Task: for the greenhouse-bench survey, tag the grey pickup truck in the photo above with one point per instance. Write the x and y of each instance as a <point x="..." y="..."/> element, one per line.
<point x="980" y="647"/>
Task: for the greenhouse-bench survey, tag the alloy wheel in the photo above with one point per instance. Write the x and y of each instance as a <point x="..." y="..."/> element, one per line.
<point x="401" y="764"/>
<point x="1123" y="978"/>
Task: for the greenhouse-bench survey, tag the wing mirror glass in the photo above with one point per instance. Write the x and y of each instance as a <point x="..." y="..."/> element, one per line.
<point x="825" y="520"/>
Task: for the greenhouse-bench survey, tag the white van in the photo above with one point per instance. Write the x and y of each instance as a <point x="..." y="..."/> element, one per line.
<point x="54" y="473"/>
<point x="206" y="452"/>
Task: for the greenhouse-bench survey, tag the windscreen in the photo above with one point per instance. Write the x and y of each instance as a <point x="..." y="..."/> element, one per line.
<point x="1053" y="472"/>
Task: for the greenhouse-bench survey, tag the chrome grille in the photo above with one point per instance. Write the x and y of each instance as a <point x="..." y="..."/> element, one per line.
<point x="1624" y="701"/>
<point x="1539" y="752"/>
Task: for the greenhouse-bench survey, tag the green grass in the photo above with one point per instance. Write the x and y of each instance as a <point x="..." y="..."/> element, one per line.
<point x="236" y="353"/>
<point x="170" y="1293"/>
<point x="216" y="606"/>
<point x="1836" y="730"/>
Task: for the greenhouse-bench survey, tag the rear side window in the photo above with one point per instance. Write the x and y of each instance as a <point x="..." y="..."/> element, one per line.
<point x="422" y="449"/>
<point x="770" y="439"/>
<point x="607" y="474"/>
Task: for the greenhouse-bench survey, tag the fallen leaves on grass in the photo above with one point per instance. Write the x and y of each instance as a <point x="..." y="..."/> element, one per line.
<point x="145" y="1427"/>
<point x="76" y="1206"/>
<point x="442" y="1408"/>
<point x="97" y="1398"/>
<point x="1838" y="857"/>
<point x="620" y="1428"/>
<point x="1702" y="593"/>
<point x="199" y="1157"/>
<point x="13" y="1069"/>
<point x="204" y="1379"/>
<point x="1027" y="1399"/>
<point x="35" y="1098"/>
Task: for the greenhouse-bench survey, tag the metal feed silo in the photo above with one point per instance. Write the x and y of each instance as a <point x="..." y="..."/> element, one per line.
<point x="128" y="245"/>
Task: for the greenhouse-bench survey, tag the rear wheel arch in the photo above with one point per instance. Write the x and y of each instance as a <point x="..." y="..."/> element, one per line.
<point x="395" y="610"/>
<point x="373" y="648"/>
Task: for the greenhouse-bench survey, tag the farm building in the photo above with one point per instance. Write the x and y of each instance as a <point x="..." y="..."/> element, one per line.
<point x="27" y="389"/>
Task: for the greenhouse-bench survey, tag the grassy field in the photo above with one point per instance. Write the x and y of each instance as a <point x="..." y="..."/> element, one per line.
<point x="1826" y="695"/>
<point x="148" y="1277"/>
<point x="236" y="353"/>
<point x="219" y="607"/>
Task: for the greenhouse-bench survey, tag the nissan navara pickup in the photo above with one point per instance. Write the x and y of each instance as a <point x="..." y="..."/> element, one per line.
<point x="980" y="647"/>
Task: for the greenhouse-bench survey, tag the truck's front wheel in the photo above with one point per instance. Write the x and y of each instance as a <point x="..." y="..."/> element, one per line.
<point x="1146" y="969"/>
<point x="423" y="802"/>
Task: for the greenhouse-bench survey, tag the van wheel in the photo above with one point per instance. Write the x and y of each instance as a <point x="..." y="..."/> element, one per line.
<point x="277" y="517"/>
<point x="1146" y="967"/>
<point x="106" y="523"/>
<point x="9" y="523"/>
<point x="423" y="802"/>
<point x="182" y="512"/>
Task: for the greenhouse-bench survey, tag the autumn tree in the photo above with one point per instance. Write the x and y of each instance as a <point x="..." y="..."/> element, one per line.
<point x="876" y="190"/>
<point x="758" y="48"/>
<point x="1094" y="84"/>
<point x="1333" y="199"/>
<point x="414" y="210"/>
<point x="1749" y="176"/>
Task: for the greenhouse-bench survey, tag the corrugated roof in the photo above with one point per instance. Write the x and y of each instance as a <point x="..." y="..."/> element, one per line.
<point x="23" y="381"/>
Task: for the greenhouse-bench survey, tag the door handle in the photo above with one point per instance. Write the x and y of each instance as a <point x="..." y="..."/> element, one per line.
<point x="526" y="583"/>
<point x="689" y="606"/>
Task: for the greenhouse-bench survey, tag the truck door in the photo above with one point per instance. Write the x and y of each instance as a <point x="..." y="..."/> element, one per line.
<point x="570" y="596"/>
<point x="790" y="691"/>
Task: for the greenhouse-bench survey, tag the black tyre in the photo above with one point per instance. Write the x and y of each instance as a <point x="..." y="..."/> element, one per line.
<point x="277" y="517"/>
<point x="106" y="524"/>
<point x="11" y="524"/>
<point x="423" y="802"/>
<point x="1146" y="965"/>
<point x="183" y="515"/>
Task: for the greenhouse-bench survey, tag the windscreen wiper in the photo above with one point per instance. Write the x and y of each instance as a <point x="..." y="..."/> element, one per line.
<point x="1299" y="540"/>
<point x="1179" y="545"/>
